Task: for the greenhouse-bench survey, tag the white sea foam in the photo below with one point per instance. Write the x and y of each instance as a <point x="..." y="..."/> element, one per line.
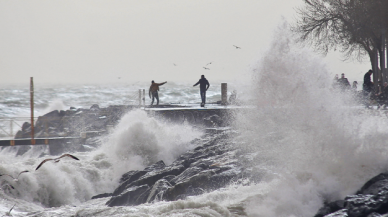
<point x="314" y="143"/>
<point x="310" y="143"/>
<point x="137" y="141"/>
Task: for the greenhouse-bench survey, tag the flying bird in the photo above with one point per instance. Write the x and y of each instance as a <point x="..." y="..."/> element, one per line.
<point x="206" y="68"/>
<point x="56" y="159"/>
<point x="17" y="178"/>
<point x="209" y="63"/>
<point x="174" y="64"/>
<point x="237" y="47"/>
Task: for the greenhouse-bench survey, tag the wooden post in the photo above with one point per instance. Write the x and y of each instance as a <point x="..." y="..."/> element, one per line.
<point x="224" y="93"/>
<point x="32" y="110"/>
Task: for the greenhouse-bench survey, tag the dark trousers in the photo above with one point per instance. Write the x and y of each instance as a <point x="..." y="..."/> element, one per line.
<point x="155" y="95"/>
<point x="203" y="96"/>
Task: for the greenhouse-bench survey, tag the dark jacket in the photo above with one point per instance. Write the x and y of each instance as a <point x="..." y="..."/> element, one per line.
<point x="203" y="84"/>
<point x="367" y="80"/>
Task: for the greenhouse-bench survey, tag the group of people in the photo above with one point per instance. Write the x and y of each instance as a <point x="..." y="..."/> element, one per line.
<point x="380" y="95"/>
<point x="203" y="86"/>
<point x="343" y="83"/>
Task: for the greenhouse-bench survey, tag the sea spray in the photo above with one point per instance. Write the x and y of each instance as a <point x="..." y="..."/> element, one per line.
<point x="135" y="142"/>
<point x="139" y="140"/>
<point x="315" y="144"/>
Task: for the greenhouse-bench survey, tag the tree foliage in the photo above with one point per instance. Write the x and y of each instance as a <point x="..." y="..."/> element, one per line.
<point x="352" y="26"/>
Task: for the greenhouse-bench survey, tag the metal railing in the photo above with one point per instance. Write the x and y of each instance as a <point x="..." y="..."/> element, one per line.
<point x="10" y="126"/>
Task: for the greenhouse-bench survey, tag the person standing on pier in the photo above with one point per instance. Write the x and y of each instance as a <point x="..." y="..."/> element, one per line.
<point x="203" y="86"/>
<point x="154" y="88"/>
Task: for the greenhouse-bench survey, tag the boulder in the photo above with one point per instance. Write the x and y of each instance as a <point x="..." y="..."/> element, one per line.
<point x="102" y="195"/>
<point x="158" y="190"/>
<point x="130" y="197"/>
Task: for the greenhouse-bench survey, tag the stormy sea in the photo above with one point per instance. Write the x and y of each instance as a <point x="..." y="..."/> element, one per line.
<point x="296" y="144"/>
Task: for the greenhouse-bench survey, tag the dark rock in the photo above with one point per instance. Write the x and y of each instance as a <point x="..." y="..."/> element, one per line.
<point x="375" y="215"/>
<point x="52" y="114"/>
<point x="26" y="126"/>
<point x="95" y="107"/>
<point x="371" y="198"/>
<point x="158" y="190"/>
<point x="151" y="177"/>
<point x="364" y="204"/>
<point x="132" y="176"/>
<point x="127" y="179"/>
<point x="330" y="208"/>
<point x="187" y="174"/>
<point x="102" y="195"/>
<point x="156" y="166"/>
<point x="169" y="178"/>
<point x="183" y="189"/>
<point x="374" y="185"/>
<point x="148" y="178"/>
<point x="130" y="197"/>
<point x="339" y="213"/>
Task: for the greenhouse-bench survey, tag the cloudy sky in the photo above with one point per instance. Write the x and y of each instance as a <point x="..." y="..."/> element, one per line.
<point x="97" y="41"/>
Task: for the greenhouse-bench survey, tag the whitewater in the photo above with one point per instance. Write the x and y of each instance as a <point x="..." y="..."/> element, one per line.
<point x="309" y="144"/>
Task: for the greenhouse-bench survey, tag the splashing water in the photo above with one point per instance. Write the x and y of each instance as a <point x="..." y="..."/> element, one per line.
<point x="140" y="140"/>
<point x="137" y="141"/>
<point x="317" y="146"/>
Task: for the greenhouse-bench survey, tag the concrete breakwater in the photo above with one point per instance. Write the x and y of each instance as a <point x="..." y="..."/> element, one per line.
<point x="84" y="125"/>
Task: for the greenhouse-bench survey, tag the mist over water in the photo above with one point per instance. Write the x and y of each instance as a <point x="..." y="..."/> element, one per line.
<point x="308" y="143"/>
<point x="312" y="142"/>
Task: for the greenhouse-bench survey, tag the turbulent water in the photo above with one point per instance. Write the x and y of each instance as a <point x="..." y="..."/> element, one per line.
<point x="309" y="143"/>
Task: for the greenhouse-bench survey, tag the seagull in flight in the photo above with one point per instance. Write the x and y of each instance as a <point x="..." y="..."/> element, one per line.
<point x="237" y="47"/>
<point x="209" y="63"/>
<point x="17" y="178"/>
<point x="206" y="68"/>
<point x="56" y="159"/>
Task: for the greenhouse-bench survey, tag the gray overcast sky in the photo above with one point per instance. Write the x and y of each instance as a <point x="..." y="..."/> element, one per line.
<point x="95" y="41"/>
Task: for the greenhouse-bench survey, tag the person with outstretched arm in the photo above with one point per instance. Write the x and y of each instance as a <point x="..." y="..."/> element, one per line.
<point x="203" y="86"/>
<point x="154" y="88"/>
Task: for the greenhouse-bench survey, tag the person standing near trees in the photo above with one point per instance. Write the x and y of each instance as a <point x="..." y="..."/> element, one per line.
<point x="368" y="84"/>
<point x="203" y="86"/>
<point x="344" y="82"/>
<point x="154" y="88"/>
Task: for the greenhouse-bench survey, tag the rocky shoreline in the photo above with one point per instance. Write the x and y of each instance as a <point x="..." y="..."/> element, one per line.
<point x="210" y="166"/>
<point x="214" y="163"/>
<point x="370" y="201"/>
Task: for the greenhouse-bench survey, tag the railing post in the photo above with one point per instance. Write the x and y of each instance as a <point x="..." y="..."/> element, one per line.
<point x="11" y="127"/>
<point x="139" y="97"/>
<point x="32" y="110"/>
<point x="382" y="57"/>
<point x="224" y="93"/>
<point x="144" y="97"/>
